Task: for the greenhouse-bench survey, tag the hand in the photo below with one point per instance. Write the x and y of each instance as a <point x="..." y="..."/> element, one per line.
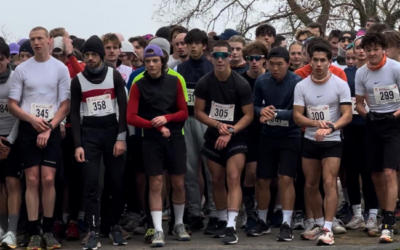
<point x="39" y="124"/>
<point x="63" y="132"/>
<point x="2" y="146"/>
<point x="159" y="121"/>
<point x="223" y="128"/>
<point x="321" y="133"/>
<point x="263" y="120"/>
<point x="390" y="117"/>
<point x="323" y="124"/>
<point x="4" y="153"/>
<point x="80" y="154"/>
<point x="68" y="45"/>
<point x="42" y="139"/>
<point x="119" y="148"/>
<point x="165" y="132"/>
<point x="268" y="112"/>
<point x="222" y="141"/>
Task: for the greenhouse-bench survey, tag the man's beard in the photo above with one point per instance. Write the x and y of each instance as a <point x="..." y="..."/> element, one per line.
<point x="183" y="56"/>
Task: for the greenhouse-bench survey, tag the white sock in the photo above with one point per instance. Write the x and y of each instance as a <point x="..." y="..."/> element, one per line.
<point x="262" y="215"/>
<point x="320" y="221"/>
<point x="65" y="218"/>
<point x="287" y="216"/>
<point x="346" y="195"/>
<point x="232" y="219"/>
<point x="81" y="215"/>
<point x="278" y="207"/>
<point x="222" y="215"/>
<point x="157" y="220"/>
<point x="328" y="225"/>
<point x="178" y="211"/>
<point x="357" y="210"/>
<point x="373" y="213"/>
<point x="311" y="220"/>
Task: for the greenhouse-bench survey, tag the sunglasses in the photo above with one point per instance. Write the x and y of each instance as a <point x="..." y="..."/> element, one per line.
<point x="307" y="40"/>
<point x="346" y="39"/>
<point x="256" y="57"/>
<point x="222" y="55"/>
<point x="350" y="46"/>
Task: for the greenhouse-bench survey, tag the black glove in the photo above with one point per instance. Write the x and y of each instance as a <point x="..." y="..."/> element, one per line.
<point x="390" y="117"/>
<point x="370" y="116"/>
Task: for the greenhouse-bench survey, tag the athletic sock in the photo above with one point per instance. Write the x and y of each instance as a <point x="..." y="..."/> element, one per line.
<point x="357" y="210"/>
<point x="157" y="220"/>
<point x="222" y="214"/>
<point x="13" y="223"/>
<point x="248" y="200"/>
<point x="311" y="220"/>
<point x="373" y="213"/>
<point x="389" y="218"/>
<point x="287" y="216"/>
<point x="346" y="195"/>
<point x="4" y="222"/>
<point x="232" y="215"/>
<point x="262" y="215"/>
<point x="178" y="211"/>
<point x="65" y="218"/>
<point x="33" y="227"/>
<point x="320" y="221"/>
<point x="81" y="215"/>
<point x="47" y="224"/>
<point x="328" y="225"/>
<point x="278" y="207"/>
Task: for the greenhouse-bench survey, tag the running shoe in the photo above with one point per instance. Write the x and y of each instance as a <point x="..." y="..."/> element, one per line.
<point x="276" y="219"/>
<point x="196" y="223"/>
<point x="212" y="225"/>
<point x="285" y="233"/>
<point x="125" y="234"/>
<point x="243" y="219"/>
<point x="72" y="231"/>
<point x="116" y="236"/>
<point x="356" y="222"/>
<point x="82" y="226"/>
<point x="312" y="234"/>
<point x="180" y="233"/>
<point x="25" y="241"/>
<point x="325" y="238"/>
<point x="158" y="239"/>
<point x="220" y="230"/>
<point x="230" y="236"/>
<point x="166" y="214"/>
<point x="51" y="242"/>
<point x="34" y="243"/>
<point x="149" y="235"/>
<point x="298" y="221"/>
<point x="92" y="242"/>
<point x="308" y="225"/>
<point x="59" y="230"/>
<point x="343" y="211"/>
<point x="132" y="221"/>
<point x="9" y="241"/>
<point x="260" y="228"/>
<point x="387" y="234"/>
<point x="251" y="222"/>
<point x="338" y="226"/>
<point x="141" y="229"/>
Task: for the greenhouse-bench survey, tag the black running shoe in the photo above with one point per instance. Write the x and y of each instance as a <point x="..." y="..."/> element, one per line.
<point x="259" y="229"/>
<point x="212" y="225"/>
<point x="220" y="230"/>
<point x="230" y="236"/>
<point x="116" y="236"/>
<point x="285" y="233"/>
<point x="92" y="243"/>
<point x="196" y="223"/>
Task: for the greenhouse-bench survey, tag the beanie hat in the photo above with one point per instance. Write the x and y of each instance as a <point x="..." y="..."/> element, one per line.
<point x="26" y="47"/>
<point x="163" y="32"/>
<point x="94" y="44"/>
<point x="21" y="41"/>
<point x="162" y="43"/>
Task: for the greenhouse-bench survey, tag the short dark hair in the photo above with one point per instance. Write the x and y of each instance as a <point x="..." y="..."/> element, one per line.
<point x="4" y="50"/>
<point x="392" y="38"/>
<point x="317" y="25"/>
<point x="196" y="35"/>
<point x="374" y="19"/>
<point x="211" y="42"/>
<point x="378" y="28"/>
<point x="2" y="40"/>
<point x="72" y="37"/>
<point x="314" y="41"/>
<point x="255" y="47"/>
<point x="278" y="40"/>
<point x="142" y="42"/>
<point x="371" y="39"/>
<point x="77" y="43"/>
<point x="303" y="32"/>
<point x="265" y="29"/>
<point x="221" y="43"/>
<point x="179" y="29"/>
<point x="334" y="34"/>
<point x="321" y="47"/>
<point x="279" y="52"/>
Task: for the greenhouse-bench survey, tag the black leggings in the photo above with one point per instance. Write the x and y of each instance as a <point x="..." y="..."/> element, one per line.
<point x="354" y="163"/>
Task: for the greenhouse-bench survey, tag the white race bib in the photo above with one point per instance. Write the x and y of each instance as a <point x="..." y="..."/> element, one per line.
<point x="319" y="113"/>
<point x="4" y="107"/>
<point x="278" y="122"/>
<point x="44" y="111"/>
<point x="190" y="97"/>
<point x="222" y="112"/>
<point x="99" y="104"/>
<point x="386" y="94"/>
<point x="353" y="105"/>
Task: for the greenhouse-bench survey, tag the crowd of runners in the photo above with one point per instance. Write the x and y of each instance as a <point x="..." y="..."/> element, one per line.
<point x="108" y="137"/>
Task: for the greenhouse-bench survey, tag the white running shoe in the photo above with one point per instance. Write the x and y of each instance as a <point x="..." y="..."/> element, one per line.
<point x="356" y="222"/>
<point x="338" y="226"/>
<point x="308" y="225"/>
<point x="326" y="238"/>
<point x="9" y="241"/>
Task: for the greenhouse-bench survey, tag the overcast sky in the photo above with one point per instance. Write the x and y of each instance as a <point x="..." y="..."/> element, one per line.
<point x="82" y="18"/>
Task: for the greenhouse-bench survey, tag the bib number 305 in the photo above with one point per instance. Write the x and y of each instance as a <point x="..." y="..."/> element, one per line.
<point x="222" y="112"/>
<point x="44" y="111"/>
<point x="319" y="113"/>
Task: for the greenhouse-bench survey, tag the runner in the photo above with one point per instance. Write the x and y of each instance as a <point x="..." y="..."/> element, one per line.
<point x="162" y="124"/>
<point x="393" y="40"/>
<point x="176" y="57"/>
<point x="127" y="54"/>
<point x="351" y="59"/>
<point x="345" y="38"/>
<point x="255" y="54"/>
<point x="379" y="81"/>
<point x="266" y="34"/>
<point x="302" y="35"/>
<point x="26" y="51"/>
<point x="224" y="103"/>
<point x="333" y="39"/>
<point x="326" y="98"/>
<point x="40" y="108"/>
<point x="182" y="49"/>
<point x="280" y="142"/>
<point x="295" y="50"/>
<point x="238" y="64"/>
<point x="98" y="90"/>
<point x="316" y="29"/>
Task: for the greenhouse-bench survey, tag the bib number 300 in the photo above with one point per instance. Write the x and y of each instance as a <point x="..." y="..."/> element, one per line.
<point x="319" y="113"/>
<point x="44" y="111"/>
<point x="222" y="112"/>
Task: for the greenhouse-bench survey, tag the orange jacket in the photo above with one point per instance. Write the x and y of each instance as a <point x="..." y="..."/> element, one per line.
<point x="74" y="66"/>
<point x="306" y="70"/>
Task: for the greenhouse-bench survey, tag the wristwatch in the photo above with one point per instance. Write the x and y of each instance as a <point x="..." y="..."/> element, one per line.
<point x="231" y="130"/>
<point x="50" y="126"/>
<point x="72" y="54"/>
<point x="331" y="126"/>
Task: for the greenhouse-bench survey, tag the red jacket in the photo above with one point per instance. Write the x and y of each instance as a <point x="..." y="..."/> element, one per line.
<point x="74" y="67"/>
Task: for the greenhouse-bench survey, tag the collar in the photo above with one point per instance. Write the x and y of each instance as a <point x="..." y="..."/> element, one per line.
<point x="379" y="66"/>
<point x="4" y="77"/>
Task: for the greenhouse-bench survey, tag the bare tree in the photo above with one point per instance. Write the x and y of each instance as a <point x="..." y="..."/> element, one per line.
<point x="286" y="15"/>
<point x="7" y="35"/>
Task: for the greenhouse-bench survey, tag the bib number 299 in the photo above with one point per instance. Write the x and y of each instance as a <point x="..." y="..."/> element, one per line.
<point x="387" y="95"/>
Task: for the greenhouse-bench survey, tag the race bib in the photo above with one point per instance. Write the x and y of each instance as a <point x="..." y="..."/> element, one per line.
<point x="190" y="97"/>
<point x="319" y="113"/>
<point x="222" y="112"/>
<point x="4" y="107"/>
<point x="278" y="122"/>
<point x="99" y="104"/>
<point x="44" y="111"/>
<point x="386" y="94"/>
<point x="353" y="105"/>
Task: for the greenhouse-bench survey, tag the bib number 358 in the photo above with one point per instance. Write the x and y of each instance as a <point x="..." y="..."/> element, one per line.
<point x="99" y="104"/>
<point x="222" y="112"/>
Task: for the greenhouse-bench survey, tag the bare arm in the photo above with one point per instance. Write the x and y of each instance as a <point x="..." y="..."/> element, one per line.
<point x="300" y="119"/>
<point x="200" y="115"/>
<point x="17" y="111"/>
<point x="62" y="112"/>
<point x="360" y="106"/>
<point x="245" y="121"/>
<point x="347" y="116"/>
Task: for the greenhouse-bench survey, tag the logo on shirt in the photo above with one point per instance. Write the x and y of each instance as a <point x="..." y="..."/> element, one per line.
<point x="377" y="82"/>
<point x="318" y="96"/>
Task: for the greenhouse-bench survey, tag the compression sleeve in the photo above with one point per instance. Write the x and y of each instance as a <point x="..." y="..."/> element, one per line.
<point x="182" y="113"/>
<point x="120" y="93"/>
<point x="75" y="111"/>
